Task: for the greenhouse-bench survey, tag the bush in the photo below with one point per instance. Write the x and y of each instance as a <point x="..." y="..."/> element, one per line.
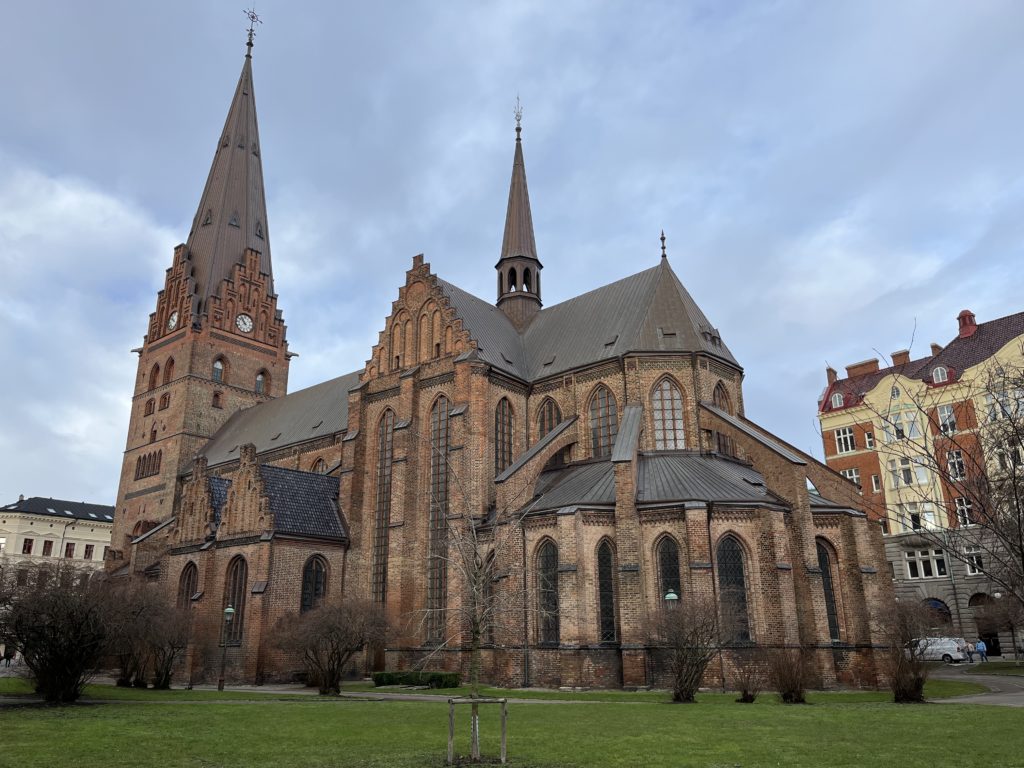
<point x="750" y="674"/>
<point x="417" y="677"/>
<point x="790" y="671"/>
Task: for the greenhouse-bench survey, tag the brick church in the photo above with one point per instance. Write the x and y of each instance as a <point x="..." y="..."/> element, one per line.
<point x="597" y="451"/>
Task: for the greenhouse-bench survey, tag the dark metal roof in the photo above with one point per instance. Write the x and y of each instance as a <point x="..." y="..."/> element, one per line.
<point x="313" y="412"/>
<point x="690" y="476"/>
<point x="498" y="340"/>
<point x="232" y="213"/>
<point x="579" y="484"/>
<point x="303" y="503"/>
<point x="518" y="239"/>
<point x="629" y="433"/>
<point x="66" y="510"/>
<point x="762" y="437"/>
<point x="534" y="449"/>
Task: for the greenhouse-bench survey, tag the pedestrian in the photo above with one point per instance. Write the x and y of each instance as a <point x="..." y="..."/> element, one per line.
<point x="982" y="650"/>
<point x="8" y="656"/>
<point x="969" y="650"/>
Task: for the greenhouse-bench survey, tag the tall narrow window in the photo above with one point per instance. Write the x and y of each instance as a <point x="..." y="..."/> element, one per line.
<point x="314" y="583"/>
<point x="169" y="371"/>
<point x="547" y="593"/>
<point x="668" y="568"/>
<point x="437" y="581"/>
<point x="261" y="383"/>
<point x="604" y="422"/>
<point x="825" y="563"/>
<point x="218" y="369"/>
<point x="154" y="376"/>
<point x="150" y="407"/>
<point x="234" y="595"/>
<point x="732" y="587"/>
<point x="668" y="416"/>
<point x="320" y="466"/>
<point x="606" y="591"/>
<point x="188" y="585"/>
<point x="721" y="398"/>
<point x="550" y="417"/>
<point x="502" y="435"/>
<point x="381" y="539"/>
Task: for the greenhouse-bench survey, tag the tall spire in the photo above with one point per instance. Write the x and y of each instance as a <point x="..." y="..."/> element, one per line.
<point x="232" y="213"/>
<point x="519" y="268"/>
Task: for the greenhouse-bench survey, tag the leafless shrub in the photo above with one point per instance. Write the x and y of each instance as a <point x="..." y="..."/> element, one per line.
<point x="791" y="672"/>
<point x="328" y="636"/>
<point x="689" y="633"/>
<point x="148" y="633"/>
<point x="903" y="624"/>
<point x="751" y="673"/>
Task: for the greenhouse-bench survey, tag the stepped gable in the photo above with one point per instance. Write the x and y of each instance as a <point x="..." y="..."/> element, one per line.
<point x="303" y="415"/>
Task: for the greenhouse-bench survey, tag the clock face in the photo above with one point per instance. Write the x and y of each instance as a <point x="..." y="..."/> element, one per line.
<point x="172" y="321"/>
<point x="243" y="323"/>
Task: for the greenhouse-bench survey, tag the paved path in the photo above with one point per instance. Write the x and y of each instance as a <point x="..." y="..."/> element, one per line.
<point x="1004" y="690"/>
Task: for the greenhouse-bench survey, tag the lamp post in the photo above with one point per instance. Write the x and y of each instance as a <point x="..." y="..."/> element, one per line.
<point x="671" y="598"/>
<point x="229" y="614"/>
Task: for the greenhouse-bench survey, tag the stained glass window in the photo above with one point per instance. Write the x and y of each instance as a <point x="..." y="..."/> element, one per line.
<point x="234" y="595"/>
<point x="668" y="416"/>
<point x="188" y="585"/>
<point x="502" y="435"/>
<point x="606" y="591"/>
<point x="547" y="592"/>
<point x="314" y="583"/>
<point x="668" y="567"/>
<point x="550" y="417"/>
<point x="732" y="587"/>
<point x="825" y="563"/>
<point x="604" y="422"/>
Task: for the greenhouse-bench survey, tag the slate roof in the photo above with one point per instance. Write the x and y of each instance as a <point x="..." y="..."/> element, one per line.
<point x="957" y="356"/>
<point x="65" y="510"/>
<point x="303" y="503"/>
<point x="662" y="477"/>
<point x="312" y="412"/>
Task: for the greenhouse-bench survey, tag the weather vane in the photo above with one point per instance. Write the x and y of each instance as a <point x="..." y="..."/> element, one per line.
<point x="519" y="115"/>
<point x="253" y="21"/>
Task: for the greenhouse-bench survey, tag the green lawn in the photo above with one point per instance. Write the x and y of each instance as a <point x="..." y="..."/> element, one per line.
<point x="838" y="730"/>
<point x="18" y="687"/>
<point x="997" y="668"/>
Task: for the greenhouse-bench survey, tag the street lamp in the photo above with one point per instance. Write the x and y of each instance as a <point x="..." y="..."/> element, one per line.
<point x="229" y="614"/>
<point x="671" y="598"/>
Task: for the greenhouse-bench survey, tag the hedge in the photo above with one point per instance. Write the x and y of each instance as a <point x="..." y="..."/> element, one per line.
<point x="412" y="677"/>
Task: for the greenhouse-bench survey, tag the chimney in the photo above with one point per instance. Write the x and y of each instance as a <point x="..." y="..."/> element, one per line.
<point x="859" y="369"/>
<point x="21" y="497"/>
<point x="936" y="348"/>
<point x="831" y="375"/>
<point x="968" y="325"/>
<point x="901" y="358"/>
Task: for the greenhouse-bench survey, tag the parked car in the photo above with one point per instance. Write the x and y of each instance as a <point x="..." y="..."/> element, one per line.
<point x="945" y="649"/>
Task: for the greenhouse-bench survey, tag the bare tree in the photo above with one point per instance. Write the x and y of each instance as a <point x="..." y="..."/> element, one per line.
<point x="59" y="621"/>
<point x="148" y="633"/>
<point x="328" y="636"/>
<point x="791" y="672"/>
<point x="905" y="627"/>
<point x="751" y="673"/>
<point x="689" y="634"/>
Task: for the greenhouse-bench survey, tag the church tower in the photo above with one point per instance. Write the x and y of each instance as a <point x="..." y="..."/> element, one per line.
<point x="216" y="342"/>
<point x="519" y="268"/>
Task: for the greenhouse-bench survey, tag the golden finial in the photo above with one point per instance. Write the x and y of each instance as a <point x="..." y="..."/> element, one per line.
<point x="664" y="253"/>
<point x="519" y="117"/>
<point x="253" y="21"/>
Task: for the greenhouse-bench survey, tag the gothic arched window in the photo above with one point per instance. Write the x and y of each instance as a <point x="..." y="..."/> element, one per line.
<point x="502" y="435"/>
<point x="732" y="588"/>
<point x="668" y="568"/>
<point x="606" y="591"/>
<point x="262" y="383"/>
<point x="437" y="581"/>
<point x="721" y="398"/>
<point x="526" y="280"/>
<point x="314" y="583"/>
<point x="188" y="585"/>
<point x="825" y="563"/>
<point x="169" y="370"/>
<point x="219" y="369"/>
<point x="513" y="284"/>
<point x="234" y="595"/>
<point x="547" y="592"/>
<point x="604" y="422"/>
<point x="550" y="416"/>
<point x="150" y="407"/>
<point x="669" y="430"/>
<point x="381" y="543"/>
<point x="154" y="376"/>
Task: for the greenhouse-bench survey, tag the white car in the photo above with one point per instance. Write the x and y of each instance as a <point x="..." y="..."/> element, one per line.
<point x="946" y="649"/>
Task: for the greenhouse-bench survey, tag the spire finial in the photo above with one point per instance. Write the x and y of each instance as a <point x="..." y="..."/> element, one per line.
<point x="519" y="117"/>
<point x="253" y="21"/>
<point x="664" y="253"/>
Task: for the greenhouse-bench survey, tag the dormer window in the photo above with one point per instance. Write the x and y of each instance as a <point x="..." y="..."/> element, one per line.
<point x="940" y="375"/>
<point x="837" y="400"/>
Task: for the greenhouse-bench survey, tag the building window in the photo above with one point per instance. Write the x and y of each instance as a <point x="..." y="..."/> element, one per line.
<point x="47" y="548"/>
<point x="876" y="483"/>
<point x="604" y="422"/>
<point x="837" y="400"/>
<point x="217" y="400"/>
<point x="732" y="587"/>
<point x="319" y="467"/>
<point x="825" y="563"/>
<point x="869" y="440"/>
<point x="668" y="568"/>
<point x="669" y="429"/>
<point x="69" y="550"/>
<point x="381" y="536"/>
<point x="218" y="369"/>
<point x="894" y="393"/>
<point x="165" y="401"/>
<point x="900" y="426"/>
<point x="964" y="512"/>
<point x="720" y="398"/>
<point x="26" y="546"/>
<point x="150" y="407"/>
<point x="947" y="419"/>
<point x="606" y="591"/>
<point x="502" y="435"/>
<point x="845" y="441"/>
<point x="169" y="371"/>
<point x="262" y="383"/>
<point x="1005" y="405"/>
<point x="550" y="417"/>
<point x="188" y="585"/>
<point x="852" y="474"/>
<point x="314" y="583"/>
<point x="154" y="376"/>
<point x="437" y="578"/>
<point x="1008" y="456"/>
<point x="973" y="558"/>
<point x="917" y="516"/>
<point x="547" y="592"/>
<point x="955" y="465"/>
<point x="925" y="563"/>
<point x="939" y="375"/>
<point x="234" y="595"/>
<point x="905" y="472"/>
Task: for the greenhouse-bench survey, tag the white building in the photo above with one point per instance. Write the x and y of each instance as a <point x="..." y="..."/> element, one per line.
<point x="38" y="530"/>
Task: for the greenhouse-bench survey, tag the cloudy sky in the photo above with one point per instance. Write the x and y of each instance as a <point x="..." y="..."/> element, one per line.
<point x="835" y="179"/>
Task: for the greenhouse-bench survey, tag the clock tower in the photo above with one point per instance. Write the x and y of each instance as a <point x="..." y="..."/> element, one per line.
<point x="216" y="342"/>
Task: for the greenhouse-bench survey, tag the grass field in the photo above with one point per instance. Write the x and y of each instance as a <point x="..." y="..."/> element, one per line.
<point x="852" y="729"/>
<point x="997" y="668"/>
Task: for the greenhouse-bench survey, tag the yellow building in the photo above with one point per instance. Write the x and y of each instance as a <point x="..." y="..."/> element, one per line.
<point x="38" y="530"/>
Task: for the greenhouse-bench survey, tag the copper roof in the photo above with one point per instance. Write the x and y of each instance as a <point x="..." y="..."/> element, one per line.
<point x="232" y="213"/>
